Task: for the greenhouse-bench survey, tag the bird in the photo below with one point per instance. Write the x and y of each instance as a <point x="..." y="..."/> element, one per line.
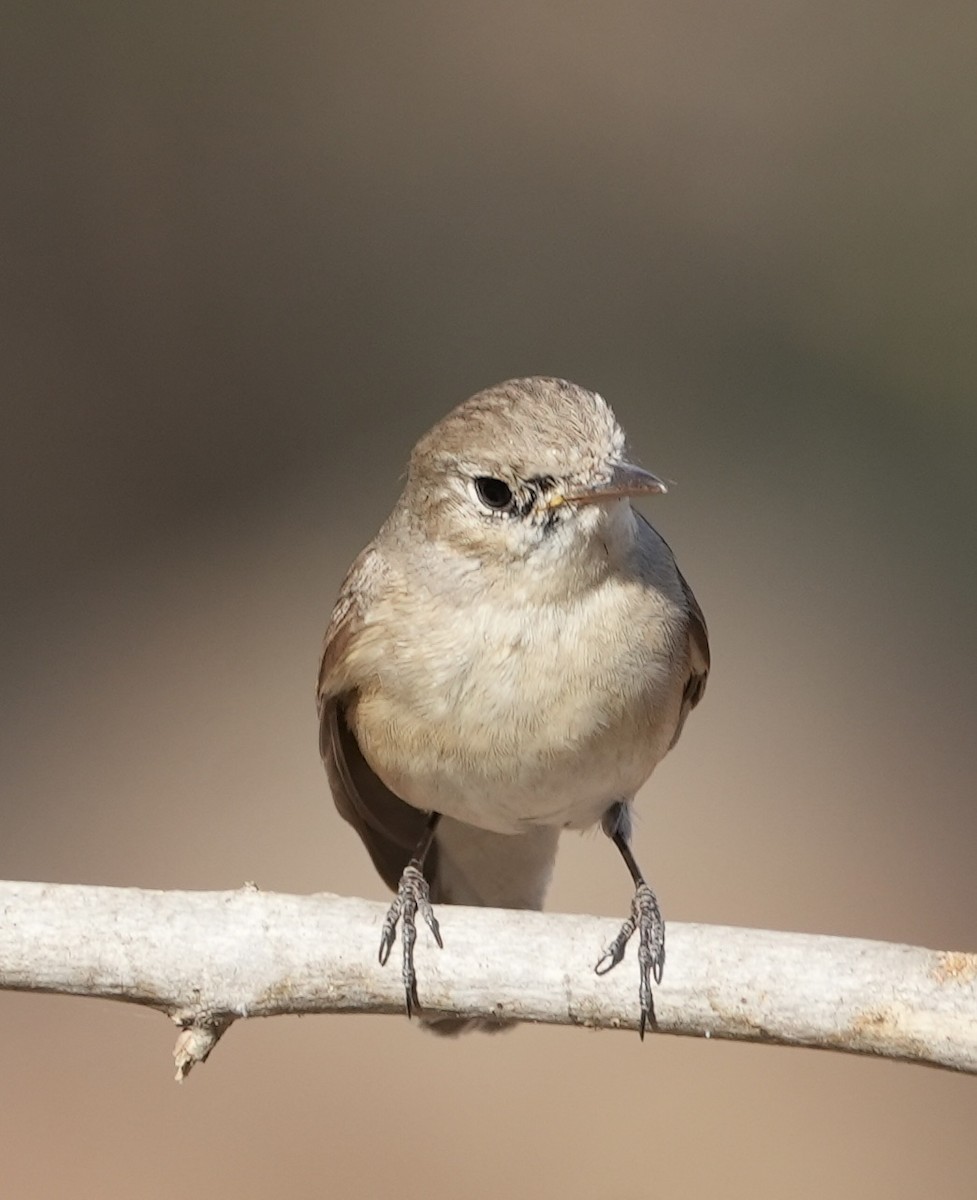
<point x="510" y="657"/>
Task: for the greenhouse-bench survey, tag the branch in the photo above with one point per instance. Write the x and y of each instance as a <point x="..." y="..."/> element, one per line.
<point x="207" y="959"/>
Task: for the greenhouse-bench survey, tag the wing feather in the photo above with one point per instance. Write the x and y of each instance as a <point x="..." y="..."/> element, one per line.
<point x="696" y="632"/>
<point x="388" y="827"/>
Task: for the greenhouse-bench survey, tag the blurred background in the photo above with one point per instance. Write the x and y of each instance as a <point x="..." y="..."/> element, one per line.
<point x="250" y="253"/>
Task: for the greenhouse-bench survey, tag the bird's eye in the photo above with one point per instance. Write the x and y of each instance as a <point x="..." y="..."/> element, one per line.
<point x="493" y="493"/>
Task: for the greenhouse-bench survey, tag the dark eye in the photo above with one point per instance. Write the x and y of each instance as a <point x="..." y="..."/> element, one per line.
<point x="493" y="493"/>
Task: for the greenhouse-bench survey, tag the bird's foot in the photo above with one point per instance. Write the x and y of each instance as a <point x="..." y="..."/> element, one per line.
<point x="413" y="896"/>
<point x="646" y="918"/>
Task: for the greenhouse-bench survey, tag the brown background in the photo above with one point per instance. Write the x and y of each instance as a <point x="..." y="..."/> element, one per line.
<point x="250" y="252"/>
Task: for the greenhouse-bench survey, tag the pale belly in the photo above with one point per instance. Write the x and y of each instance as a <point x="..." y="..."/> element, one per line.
<point x="488" y="729"/>
<point x="546" y="781"/>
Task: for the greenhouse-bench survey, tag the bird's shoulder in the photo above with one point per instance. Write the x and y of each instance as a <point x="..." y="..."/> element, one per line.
<point x="365" y="582"/>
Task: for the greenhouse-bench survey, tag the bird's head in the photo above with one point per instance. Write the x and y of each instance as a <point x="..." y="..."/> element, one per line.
<point x="530" y="471"/>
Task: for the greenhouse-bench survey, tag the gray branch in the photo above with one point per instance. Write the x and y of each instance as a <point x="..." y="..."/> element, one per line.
<point x="207" y="959"/>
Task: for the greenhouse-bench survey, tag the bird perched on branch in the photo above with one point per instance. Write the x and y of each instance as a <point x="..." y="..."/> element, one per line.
<point x="511" y="656"/>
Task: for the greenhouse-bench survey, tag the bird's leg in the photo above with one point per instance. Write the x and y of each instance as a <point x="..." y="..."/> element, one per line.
<point x="413" y="895"/>
<point x="645" y="917"/>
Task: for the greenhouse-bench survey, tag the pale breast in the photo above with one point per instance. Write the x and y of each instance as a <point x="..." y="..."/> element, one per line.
<point x="502" y="717"/>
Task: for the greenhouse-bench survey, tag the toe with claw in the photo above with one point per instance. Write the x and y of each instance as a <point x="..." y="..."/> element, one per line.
<point x="413" y="896"/>
<point x="646" y="919"/>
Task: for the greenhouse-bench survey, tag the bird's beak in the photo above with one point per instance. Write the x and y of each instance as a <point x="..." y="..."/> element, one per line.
<point x="624" y="480"/>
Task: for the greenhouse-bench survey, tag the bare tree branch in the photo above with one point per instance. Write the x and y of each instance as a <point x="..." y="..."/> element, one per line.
<point x="207" y="959"/>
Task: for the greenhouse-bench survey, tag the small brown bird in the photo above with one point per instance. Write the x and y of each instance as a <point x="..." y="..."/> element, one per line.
<point x="512" y="655"/>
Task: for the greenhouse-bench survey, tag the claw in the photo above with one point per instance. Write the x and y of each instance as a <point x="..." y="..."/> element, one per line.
<point x="646" y="920"/>
<point x="413" y="895"/>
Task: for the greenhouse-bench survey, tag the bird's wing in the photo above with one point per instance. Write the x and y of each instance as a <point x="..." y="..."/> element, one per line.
<point x="699" y="659"/>
<point x="389" y="828"/>
<point x="698" y="638"/>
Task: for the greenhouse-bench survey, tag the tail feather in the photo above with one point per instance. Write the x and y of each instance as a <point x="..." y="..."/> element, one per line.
<point x="493" y="870"/>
